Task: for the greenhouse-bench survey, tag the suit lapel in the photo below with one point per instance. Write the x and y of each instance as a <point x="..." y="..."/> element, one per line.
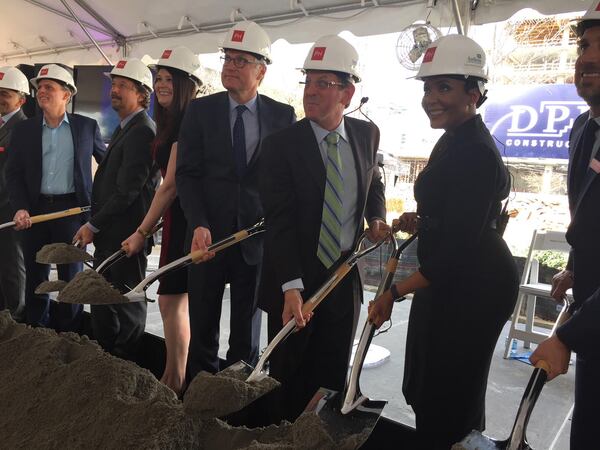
<point x="310" y="154"/>
<point x="356" y="143"/>
<point x="120" y="136"/>
<point x="574" y="144"/>
<point x="264" y="127"/>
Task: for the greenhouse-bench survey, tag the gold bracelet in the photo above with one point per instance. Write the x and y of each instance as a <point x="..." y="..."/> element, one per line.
<point x="143" y="233"/>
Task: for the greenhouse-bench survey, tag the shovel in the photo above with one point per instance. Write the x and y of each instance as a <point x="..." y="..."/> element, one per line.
<point x="51" y="216"/>
<point x="257" y="383"/>
<point x="138" y="293"/>
<point x="121" y="253"/>
<point x="358" y="414"/>
<point x="517" y="439"/>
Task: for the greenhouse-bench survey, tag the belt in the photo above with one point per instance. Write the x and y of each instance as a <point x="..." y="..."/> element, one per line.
<point x="52" y="198"/>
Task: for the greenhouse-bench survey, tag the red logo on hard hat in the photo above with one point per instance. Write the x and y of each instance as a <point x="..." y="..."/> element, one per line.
<point x="598" y="7"/>
<point x="318" y="54"/>
<point x="1" y="75"/>
<point x="166" y="54"/>
<point x="237" y="36"/>
<point x="429" y="54"/>
<point x="121" y="64"/>
<point x="43" y="72"/>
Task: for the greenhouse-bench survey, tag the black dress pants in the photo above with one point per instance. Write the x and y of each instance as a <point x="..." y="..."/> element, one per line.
<point x="206" y="285"/>
<point x="12" y="268"/>
<point x="40" y="311"/>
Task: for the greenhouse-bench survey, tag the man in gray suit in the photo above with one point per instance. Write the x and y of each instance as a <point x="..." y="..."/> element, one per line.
<point x="121" y="196"/>
<point x="14" y="87"/>
<point x="217" y="159"/>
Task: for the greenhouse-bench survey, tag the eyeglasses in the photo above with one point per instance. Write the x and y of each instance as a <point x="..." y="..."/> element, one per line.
<point x="322" y="84"/>
<point x="239" y="61"/>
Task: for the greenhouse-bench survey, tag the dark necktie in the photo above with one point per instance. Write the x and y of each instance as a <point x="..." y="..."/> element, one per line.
<point x="582" y="156"/>
<point x="115" y="134"/>
<point x="239" y="141"/>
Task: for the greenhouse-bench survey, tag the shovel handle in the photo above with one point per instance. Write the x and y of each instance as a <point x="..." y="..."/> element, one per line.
<point x="58" y="214"/>
<point x="227" y="242"/>
<point x="541" y="364"/>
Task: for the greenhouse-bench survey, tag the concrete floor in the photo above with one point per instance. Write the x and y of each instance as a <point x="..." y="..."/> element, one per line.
<point x="549" y="425"/>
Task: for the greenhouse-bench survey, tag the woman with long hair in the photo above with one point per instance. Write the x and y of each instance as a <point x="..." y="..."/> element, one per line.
<point x="176" y="84"/>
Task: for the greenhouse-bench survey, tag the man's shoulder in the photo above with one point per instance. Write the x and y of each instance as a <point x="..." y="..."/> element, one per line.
<point x="81" y="121"/>
<point x="272" y="103"/>
<point x="207" y="101"/>
<point x="290" y="132"/>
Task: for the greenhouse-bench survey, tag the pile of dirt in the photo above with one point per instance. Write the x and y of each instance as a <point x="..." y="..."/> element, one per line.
<point x="46" y="287"/>
<point x="223" y="393"/>
<point x="90" y="288"/>
<point x="64" y="391"/>
<point x="62" y="253"/>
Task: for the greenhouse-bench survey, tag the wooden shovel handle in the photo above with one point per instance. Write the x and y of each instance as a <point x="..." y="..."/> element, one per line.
<point x="227" y="242"/>
<point x="541" y="364"/>
<point x="56" y="215"/>
<point x="319" y="296"/>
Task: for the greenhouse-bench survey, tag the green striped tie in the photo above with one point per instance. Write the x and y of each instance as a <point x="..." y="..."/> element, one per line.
<point x="331" y="222"/>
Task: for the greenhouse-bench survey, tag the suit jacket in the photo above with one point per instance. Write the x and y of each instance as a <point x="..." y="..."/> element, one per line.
<point x="582" y="234"/>
<point x="292" y="186"/>
<point x="5" y="133"/>
<point x="124" y="184"/>
<point x="24" y="171"/>
<point x="210" y="192"/>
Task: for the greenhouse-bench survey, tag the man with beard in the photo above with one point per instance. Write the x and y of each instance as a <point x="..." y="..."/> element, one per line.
<point x="50" y="169"/>
<point x="217" y="159"/>
<point x="14" y="88"/>
<point x="122" y="193"/>
<point x="581" y="333"/>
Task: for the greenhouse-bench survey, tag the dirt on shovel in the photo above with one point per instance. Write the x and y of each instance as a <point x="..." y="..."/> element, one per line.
<point x="90" y="288"/>
<point x="223" y="393"/>
<point x="61" y="253"/>
<point x="50" y="286"/>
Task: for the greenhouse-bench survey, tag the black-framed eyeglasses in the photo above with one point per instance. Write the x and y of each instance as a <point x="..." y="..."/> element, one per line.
<point x="321" y="84"/>
<point x="239" y="61"/>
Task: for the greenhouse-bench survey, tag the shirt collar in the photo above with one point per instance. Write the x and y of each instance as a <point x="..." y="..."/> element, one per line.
<point x="250" y="104"/>
<point x="597" y="119"/>
<point x="64" y="119"/>
<point x="127" y="119"/>
<point x="321" y="133"/>
<point x="7" y="117"/>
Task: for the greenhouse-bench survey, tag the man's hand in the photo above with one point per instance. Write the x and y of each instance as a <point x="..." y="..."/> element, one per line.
<point x="555" y="354"/>
<point x="562" y="281"/>
<point x="407" y="223"/>
<point x="380" y="309"/>
<point x="377" y="230"/>
<point x="201" y="241"/>
<point x="84" y="236"/>
<point x="133" y="244"/>
<point x="292" y="308"/>
<point x="22" y="220"/>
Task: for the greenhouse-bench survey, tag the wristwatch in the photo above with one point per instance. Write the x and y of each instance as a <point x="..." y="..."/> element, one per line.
<point x="395" y="294"/>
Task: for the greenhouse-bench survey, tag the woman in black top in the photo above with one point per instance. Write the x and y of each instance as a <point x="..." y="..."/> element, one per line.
<point x="467" y="282"/>
<point x="176" y="83"/>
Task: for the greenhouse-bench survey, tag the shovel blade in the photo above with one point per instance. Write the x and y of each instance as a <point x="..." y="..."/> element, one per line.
<point x="358" y="423"/>
<point x="477" y="441"/>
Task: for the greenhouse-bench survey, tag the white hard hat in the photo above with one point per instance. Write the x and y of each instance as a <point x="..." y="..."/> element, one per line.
<point x="133" y="69"/>
<point x="12" y="78"/>
<point x="332" y="53"/>
<point x="593" y="13"/>
<point x="56" y="73"/>
<point x="181" y="58"/>
<point x="454" y="54"/>
<point x="248" y="37"/>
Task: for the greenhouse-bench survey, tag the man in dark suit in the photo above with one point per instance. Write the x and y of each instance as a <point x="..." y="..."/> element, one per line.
<point x="50" y="169"/>
<point x="14" y="88"/>
<point x="319" y="182"/>
<point x="122" y="193"/>
<point x="218" y="149"/>
<point x="581" y="333"/>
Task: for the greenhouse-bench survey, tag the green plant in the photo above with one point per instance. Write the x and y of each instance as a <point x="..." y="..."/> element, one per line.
<point x="553" y="259"/>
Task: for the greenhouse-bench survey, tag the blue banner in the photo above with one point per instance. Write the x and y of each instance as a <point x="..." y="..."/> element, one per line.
<point x="533" y="121"/>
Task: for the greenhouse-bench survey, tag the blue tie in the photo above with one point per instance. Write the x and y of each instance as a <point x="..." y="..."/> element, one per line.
<point x="329" y="249"/>
<point x="239" y="141"/>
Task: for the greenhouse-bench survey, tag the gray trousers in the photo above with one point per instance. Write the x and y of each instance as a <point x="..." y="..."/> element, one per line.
<point x="12" y="268"/>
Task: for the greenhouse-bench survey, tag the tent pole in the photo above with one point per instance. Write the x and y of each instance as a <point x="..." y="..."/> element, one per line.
<point x="457" y="17"/>
<point x="68" y="17"/>
<point x="106" y="58"/>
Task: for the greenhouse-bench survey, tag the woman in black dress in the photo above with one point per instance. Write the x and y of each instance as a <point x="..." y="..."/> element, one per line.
<point x="176" y="83"/>
<point x="467" y="282"/>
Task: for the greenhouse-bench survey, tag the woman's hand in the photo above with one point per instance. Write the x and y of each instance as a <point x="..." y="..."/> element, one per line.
<point x="407" y="223"/>
<point x="133" y="244"/>
<point x="380" y="309"/>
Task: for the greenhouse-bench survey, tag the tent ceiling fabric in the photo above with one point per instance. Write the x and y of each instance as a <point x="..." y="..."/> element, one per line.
<point x="33" y="31"/>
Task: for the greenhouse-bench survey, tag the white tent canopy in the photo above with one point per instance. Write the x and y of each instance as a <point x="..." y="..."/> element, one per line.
<point x="48" y="30"/>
